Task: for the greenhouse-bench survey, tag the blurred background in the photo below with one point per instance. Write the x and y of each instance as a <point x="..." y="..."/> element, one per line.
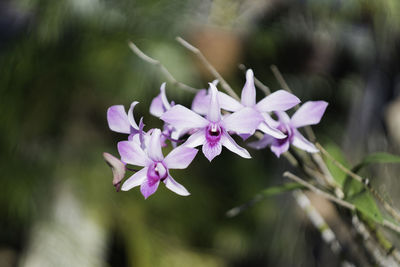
<point x="63" y="63"/>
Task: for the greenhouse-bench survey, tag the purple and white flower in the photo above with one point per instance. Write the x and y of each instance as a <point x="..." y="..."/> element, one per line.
<point x="309" y="113"/>
<point x="280" y="100"/>
<point x="156" y="167"/>
<point x="212" y="132"/>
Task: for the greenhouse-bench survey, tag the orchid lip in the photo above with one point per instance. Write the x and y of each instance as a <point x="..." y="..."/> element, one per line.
<point x="213" y="133"/>
<point x="157" y="172"/>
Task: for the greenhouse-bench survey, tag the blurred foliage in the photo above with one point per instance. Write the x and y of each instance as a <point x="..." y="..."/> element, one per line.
<point x="63" y="63"/>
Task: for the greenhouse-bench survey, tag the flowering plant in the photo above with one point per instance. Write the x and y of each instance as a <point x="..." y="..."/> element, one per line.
<point x="216" y="118"/>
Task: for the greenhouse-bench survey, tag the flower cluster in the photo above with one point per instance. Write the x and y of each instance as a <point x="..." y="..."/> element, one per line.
<point x="204" y="125"/>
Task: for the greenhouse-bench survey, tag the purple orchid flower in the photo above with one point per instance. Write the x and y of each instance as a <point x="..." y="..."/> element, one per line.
<point x="212" y="131"/>
<point x="156" y="167"/>
<point x="280" y="100"/>
<point x="309" y="113"/>
<point x="121" y="122"/>
<point x="159" y="105"/>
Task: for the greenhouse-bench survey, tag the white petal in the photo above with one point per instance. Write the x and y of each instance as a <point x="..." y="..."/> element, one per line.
<point x="230" y="144"/>
<point x="301" y="142"/>
<point x="201" y="102"/>
<point x="175" y="187"/>
<point x="280" y="100"/>
<point x="135" y="180"/>
<point x="196" y="139"/>
<point x="244" y="121"/>
<point x="132" y="153"/>
<point x="180" y="157"/>
<point x="182" y="118"/>
<point x="154" y="150"/>
<point x="248" y="97"/>
<point x="214" y="111"/>
<point x="118" y="119"/>
<point x="156" y="106"/>
<point x="211" y="151"/>
<point x="271" y="131"/>
<point x="130" y="115"/>
<point x="228" y="103"/>
<point x="309" y="113"/>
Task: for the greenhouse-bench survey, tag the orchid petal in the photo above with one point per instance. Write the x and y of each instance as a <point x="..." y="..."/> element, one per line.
<point x="196" y="139"/>
<point x="244" y="121"/>
<point x="228" y="103"/>
<point x="214" y="111"/>
<point x="175" y="187"/>
<point x="280" y="148"/>
<point x="182" y="117"/>
<point x="283" y="117"/>
<point x="270" y="121"/>
<point x="309" y="113"/>
<point x="271" y="131"/>
<point x="157" y="106"/>
<point x="301" y="142"/>
<point x="154" y="150"/>
<point x="248" y="97"/>
<point x="180" y="157"/>
<point x="280" y="100"/>
<point x="118" y="119"/>
<point x="164" y="99"/>
<point x="148" y="189"/>
<point x="130" y="115"/>
<point x="135" y="180"/>
<point x="229" y="143"/>
<point x="262" y="143"/>
<point x="211" y="150"/>
<point x="201" y="102"/>
<point x="131" y="153"/>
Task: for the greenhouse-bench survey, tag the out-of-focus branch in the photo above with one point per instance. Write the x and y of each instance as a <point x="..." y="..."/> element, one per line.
<point x="319" y="191"/>
<point x="163" y="69"/>
<point x="210" y="67"/>
<point x="327" y="235"/>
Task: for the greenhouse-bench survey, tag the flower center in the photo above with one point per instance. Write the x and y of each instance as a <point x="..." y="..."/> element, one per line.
<point x="213" y="133"/>
<point x="284" y="128"/>
<point x="156" y="172"/>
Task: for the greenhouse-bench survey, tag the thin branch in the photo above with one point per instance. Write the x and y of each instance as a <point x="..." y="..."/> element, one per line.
<point x="327" y="235"/>
<point x="163" y="69"/>
<point x="362" y="180"/>
<point x="210" y="67"/>
<point x="257" y="82"/>
<point x="319" y="191"/>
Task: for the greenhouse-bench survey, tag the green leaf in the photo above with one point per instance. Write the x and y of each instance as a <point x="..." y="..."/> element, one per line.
<point x="379" y="157"/>
<point x="365" y="203"/>
<point x="336" y="152"/>
<point x="352" y="187"/>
